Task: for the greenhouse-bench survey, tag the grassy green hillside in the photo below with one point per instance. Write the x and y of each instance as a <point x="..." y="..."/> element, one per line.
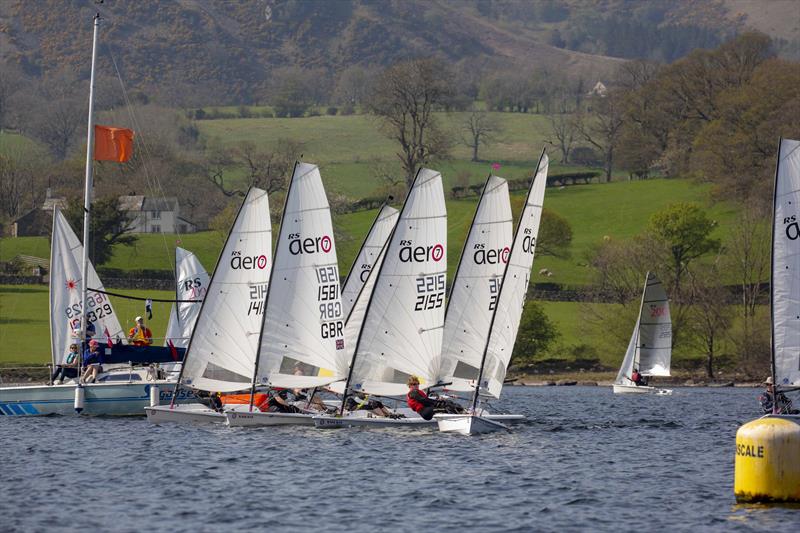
<point x="618" y="210"/>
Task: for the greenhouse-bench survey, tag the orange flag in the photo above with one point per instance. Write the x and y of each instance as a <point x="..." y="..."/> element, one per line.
<point x="112" y="144"/>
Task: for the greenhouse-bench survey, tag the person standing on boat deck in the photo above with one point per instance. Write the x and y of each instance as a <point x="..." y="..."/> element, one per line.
<point x="92" y="360"/>
<point x="70" y="367"/>
<point x="140" y="334"/>
<point x="418" y="401"/>
<point x="769" y="397"/>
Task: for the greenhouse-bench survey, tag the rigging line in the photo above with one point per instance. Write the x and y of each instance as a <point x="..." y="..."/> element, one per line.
<point x="125" y="296"/>
<point x="153" y="183"/>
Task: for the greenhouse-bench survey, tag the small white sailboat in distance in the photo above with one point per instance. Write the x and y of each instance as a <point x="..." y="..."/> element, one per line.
<point x="650" y="348"/>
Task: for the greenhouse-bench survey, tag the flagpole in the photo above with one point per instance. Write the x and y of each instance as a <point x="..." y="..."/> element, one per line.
<point x="87" y="195"/>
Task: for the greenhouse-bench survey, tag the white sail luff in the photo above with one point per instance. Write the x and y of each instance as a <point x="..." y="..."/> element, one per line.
<point x="514" y="288"/>
<point x="402" y="331"/>
<point x="302" y="342"/>
<point x="222" y="350"/>
<point x="786" y="267"/>
<point x="474" y="293"/>
<point x="368" y="255"/>
<point x="66" y="293"/>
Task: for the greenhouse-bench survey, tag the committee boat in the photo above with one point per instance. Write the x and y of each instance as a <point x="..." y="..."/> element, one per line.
<point x="79" y="304"/>
<point x="479" y="360"/>
<point x="650" y="347"/>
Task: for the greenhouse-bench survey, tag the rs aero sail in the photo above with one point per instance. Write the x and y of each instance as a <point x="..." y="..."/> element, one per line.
<point x="650" y="348"/>
<point x="505" y="318"/>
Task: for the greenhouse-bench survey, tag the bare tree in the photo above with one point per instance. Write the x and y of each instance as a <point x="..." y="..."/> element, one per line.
<point x="479" y="128"/>
<point x="353" y="85"/>
<point x="710" y="312"/>
<point x="405" y="97"/>
<point x="11" y="81"/>
<point x="564" y="128"/>
<point x="266" y="169"/>
<point x="602" y="126"/>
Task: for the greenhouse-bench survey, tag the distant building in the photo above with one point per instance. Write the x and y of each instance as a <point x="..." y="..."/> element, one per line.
<point x="599" y="89"/>
<point x="38" y="222"/>
<point x="155" y="215"/>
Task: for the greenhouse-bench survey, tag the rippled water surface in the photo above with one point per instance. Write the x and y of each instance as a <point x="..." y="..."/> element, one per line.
<point x="586" y="459"/>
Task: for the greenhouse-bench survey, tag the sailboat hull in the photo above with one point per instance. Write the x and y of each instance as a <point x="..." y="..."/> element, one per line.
<point x="259" y="419"/>
<point x="105" y="399"/>
<point x="468" y="424"/>
<point x="193" y="413"/>
<point x="368" y="419"/>
<point x="633" y="389"/>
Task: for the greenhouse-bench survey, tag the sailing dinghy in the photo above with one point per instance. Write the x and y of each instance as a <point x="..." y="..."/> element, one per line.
<point x="504" y="318"/>
<point x="223" y="344"/>
<point x="650" y="347"/>
<point x="302" y="343"/>
<point x="399" y="313"/>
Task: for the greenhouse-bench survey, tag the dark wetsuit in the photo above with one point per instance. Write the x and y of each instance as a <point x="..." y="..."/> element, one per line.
<point x="784" y="404"/>
<point x="355" y="404"/>
<point x="274" y="406"/>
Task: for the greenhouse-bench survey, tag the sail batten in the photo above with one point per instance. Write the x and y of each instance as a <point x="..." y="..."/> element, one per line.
<point x="222" y="349"/>
<point x="785" y="286"/>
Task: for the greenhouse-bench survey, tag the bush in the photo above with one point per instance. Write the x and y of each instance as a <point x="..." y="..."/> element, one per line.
<point x="331" y="110"/>
<point x="585" y="156"/>
<point x="347" y="109"/>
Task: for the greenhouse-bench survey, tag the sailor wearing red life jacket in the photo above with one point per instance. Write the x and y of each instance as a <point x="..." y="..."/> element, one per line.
<point x="418" y="401"/>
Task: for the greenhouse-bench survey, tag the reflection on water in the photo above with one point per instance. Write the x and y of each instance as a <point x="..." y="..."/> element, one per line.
<point x="585" y="459"/>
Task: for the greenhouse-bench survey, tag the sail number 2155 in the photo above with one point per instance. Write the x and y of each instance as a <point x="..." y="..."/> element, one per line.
<point x="430" y="292"/>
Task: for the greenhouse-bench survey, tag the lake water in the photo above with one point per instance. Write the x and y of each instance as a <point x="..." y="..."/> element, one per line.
<point x="586" y="459"/>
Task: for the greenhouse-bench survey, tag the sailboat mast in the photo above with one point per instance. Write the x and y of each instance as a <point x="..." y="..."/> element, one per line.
<point x="637" y="352"/>
<point x="476" y="395"/>
<point x="772" y="283"/>
<point x="87" y="195"/>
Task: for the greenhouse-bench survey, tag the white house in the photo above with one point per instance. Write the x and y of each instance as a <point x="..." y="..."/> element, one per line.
<point x="155" y="215"/>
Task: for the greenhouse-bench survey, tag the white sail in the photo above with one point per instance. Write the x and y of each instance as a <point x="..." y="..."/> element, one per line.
<point x="367" y="255"/>
<point x="358" y="311"/>
<point x="650" y="348"/>
<point x="66" y="257"/>
<point x="222" y="350"/>
<point x="302" y="342"/>
<point x="514" y="288"/>
<point x="191" y="284"/>
<point x="786" y="267"/>
<point x="401" y="333"/>
<point x="473" y="295"/>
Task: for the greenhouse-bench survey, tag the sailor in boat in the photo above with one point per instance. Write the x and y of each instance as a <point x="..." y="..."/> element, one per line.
<point x="140" y="335"/>
<point x="419" y="402"/>
<point x="638" y="379"/>
<point x="279" y="402"/>
<point x="311" y="398"/>
<point x="70" y="368"/>
<point x="361" y="402"/>
<point x="769" y="397"/>
<point x="92" y="360"/>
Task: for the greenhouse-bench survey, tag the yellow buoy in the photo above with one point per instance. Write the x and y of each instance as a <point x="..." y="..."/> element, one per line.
<point x="767" y="465"/>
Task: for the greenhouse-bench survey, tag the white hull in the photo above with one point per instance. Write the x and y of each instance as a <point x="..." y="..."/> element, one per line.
<point x="368" y="419"/>
<point x="193" y="413"/>
<point x="633" y="389"/>
<point x="258" y="418"/>
<point x="468" y="424"/>
<point x="110" y="398"/>
<point x="412" y="419"/>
